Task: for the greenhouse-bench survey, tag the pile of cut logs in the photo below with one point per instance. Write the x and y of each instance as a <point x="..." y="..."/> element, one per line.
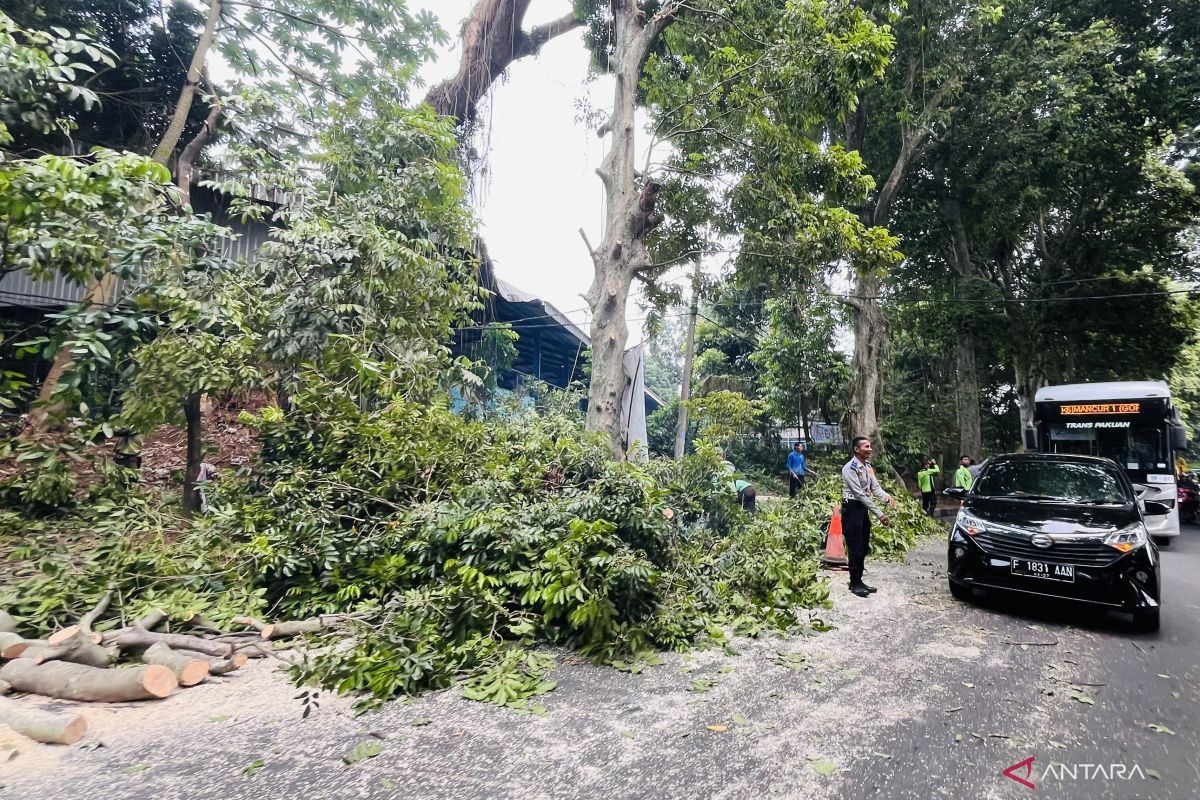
<point x="79" y="663"/>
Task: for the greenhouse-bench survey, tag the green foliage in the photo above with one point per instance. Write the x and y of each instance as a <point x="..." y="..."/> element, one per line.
<point x="723" y="414"/>
<point x="129" y="97"/>
<point x="38" y="69"/>
<point x="462" y="542"/>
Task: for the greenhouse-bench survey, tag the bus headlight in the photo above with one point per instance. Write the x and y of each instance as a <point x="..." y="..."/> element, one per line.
<point x="1128" y="538"/>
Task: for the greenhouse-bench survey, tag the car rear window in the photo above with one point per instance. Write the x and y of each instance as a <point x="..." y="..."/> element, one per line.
<point x="1064" y="481"/>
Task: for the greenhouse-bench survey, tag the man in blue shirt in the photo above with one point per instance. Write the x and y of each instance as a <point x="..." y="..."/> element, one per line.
<point x="797" y="470"/>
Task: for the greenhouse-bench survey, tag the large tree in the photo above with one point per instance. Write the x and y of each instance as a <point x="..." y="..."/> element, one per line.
<point x="1056" y="188"/>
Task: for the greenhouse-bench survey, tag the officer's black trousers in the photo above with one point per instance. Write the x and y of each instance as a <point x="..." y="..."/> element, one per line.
<point x="856" y="527"/>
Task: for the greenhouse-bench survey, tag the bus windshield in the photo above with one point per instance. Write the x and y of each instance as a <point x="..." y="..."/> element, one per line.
<point x="1142" y="448"/>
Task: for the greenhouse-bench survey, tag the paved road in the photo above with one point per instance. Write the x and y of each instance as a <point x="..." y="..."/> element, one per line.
<point x="1132" y="681"/>
<point x="914" y="695"/>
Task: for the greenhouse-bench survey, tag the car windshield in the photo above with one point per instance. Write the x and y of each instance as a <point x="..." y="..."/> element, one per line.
<point x="1062" y="481"/>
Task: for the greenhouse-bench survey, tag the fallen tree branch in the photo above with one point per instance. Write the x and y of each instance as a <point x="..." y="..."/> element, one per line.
<point x="249" y="622"/>
<point x="42" y="726"/>
<point x="152" y="619"/>
<point x="286" y="630"/>
<point x="68" y="681"/>
<point x="140" y="639"/>
<point x="203" y="623"/>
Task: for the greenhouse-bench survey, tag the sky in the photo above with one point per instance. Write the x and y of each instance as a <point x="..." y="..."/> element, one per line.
<point x="539" y="186"/>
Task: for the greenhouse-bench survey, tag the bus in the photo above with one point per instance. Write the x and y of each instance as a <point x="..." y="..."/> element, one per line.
<point x="1134" y="423"/>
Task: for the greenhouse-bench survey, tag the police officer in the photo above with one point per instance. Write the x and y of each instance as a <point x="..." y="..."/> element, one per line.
<point x="860" y="489"/>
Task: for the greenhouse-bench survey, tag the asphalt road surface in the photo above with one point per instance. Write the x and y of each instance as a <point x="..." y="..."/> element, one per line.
<point x="913" y="695"/>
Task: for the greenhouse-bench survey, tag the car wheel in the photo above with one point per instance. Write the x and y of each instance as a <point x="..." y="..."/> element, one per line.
<point x="1162" y="541"/>
<point x="1146" y="622"/>
<point x="960" y="592"/>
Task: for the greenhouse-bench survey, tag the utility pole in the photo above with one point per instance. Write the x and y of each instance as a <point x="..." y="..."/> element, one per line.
<point x="685" y="391"/>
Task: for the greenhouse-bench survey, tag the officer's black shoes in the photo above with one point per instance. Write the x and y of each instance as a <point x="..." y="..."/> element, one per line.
<point x="870" y="589"/>
<point x="860" y="589"/>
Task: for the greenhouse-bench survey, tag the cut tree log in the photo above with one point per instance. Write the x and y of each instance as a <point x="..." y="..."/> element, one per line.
<point x="12" y="645"/>
<point x="7" y="623"/>
<point x="68" y="681"/>
<point x="78" y="650"/>
<point x="42" y="726"/>
<point x="85" y="623"/>
<point x="15" y="650"/>
<point x="189" y="670"/>
<point x="228" y="665"/>
<point x="71" y="632"/>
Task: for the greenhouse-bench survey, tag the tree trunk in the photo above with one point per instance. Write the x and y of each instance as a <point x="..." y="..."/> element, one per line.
<point x="870" y="351"/>
<point x="685" y="387"/>
<point x="187" y="93"/>
<point x="805" y="419"/>
<point x="492" y="39"/>
<point x="1028" y="380"/>
<point x="630" y="215"/>
<point x="966" y="384"/>
<point x="100" y="292"/>
<point x="187" y="159"/>
<point x="967" y="393"/>
<point x="195" y="453"/>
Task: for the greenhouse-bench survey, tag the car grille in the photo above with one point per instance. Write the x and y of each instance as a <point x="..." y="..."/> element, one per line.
<point x="1085" y="552"/>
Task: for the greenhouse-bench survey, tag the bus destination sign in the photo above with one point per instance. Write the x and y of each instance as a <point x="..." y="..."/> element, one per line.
<point x="1098" y="409"/>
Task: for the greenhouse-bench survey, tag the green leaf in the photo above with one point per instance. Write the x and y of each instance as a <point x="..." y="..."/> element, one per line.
<point x="364" y="750"/>
<point x="824" y="767"/>
<point x="136" y="769"/>
<point x="1157" y="728"/>
<point x="251" y="769"/>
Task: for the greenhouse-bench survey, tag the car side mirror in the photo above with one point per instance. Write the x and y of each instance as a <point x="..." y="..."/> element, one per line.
<point x="1155" y="508"/>
<point x="1031" y="439"/>
<point x="956" y="492"/>
<point x="1179" y="437"/>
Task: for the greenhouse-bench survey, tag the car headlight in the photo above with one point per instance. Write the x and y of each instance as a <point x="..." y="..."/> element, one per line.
<point x="970" y="523"/>
<point x="1128" y="538"/>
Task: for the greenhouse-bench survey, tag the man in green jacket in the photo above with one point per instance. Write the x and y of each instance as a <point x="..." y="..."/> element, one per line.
<point x="962" y="476"/>
<point x="925" y="483"/>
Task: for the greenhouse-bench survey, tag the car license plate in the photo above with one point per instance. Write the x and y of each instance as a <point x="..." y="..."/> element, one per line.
<point x="1040" y="569"/>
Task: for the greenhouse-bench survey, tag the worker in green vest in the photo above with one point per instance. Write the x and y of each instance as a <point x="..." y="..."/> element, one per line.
<point x="925" y="484"/>
<point x="962" y="476"/>
<point x="127" y="448"/>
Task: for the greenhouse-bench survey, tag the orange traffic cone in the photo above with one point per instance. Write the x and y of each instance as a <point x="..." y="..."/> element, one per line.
<point x="835" y="545"/>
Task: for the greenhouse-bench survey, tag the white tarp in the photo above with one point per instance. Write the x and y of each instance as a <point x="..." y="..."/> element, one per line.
<point x="633" y="412"/>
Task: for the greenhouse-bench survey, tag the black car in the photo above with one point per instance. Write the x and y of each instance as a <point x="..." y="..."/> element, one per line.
<point x="1056" y="527"/>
